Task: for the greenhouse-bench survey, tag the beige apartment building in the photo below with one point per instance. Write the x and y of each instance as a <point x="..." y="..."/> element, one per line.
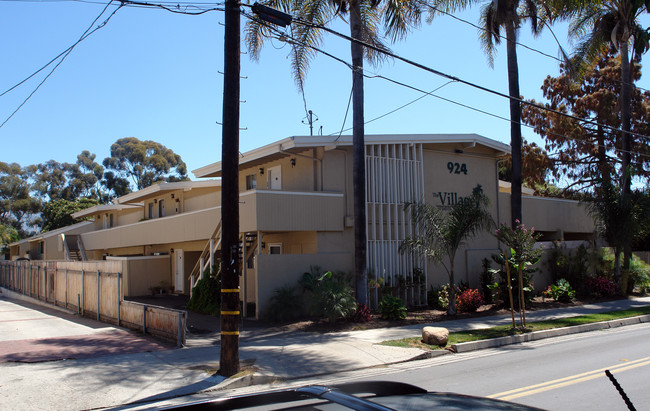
<point x="296" y="212"/>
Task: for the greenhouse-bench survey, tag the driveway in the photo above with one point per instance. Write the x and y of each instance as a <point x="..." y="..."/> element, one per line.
<point x="34" y="333"/>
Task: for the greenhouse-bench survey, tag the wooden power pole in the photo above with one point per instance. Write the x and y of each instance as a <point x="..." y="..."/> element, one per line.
<point x="230" y="306"/>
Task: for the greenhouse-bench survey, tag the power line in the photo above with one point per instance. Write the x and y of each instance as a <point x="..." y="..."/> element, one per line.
<point x="561" y="60"/>
<point x="283" y="36"/>
<point x="450" y="77"/>
<point x="63" y="56"/>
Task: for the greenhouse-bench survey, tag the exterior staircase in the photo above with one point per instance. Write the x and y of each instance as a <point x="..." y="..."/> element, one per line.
<point x="208" y="258"/>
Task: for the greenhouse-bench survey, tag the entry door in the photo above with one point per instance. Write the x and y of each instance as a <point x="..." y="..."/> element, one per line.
<point x="275" y="178"/>
<point x="178" y="280"/>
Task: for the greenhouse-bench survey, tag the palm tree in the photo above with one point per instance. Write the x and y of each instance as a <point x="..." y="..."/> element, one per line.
<point x="365" y="17"/>
<point x="597" y="25"/>
<point x="441" y="234"/>
<point x="495" y="16"/>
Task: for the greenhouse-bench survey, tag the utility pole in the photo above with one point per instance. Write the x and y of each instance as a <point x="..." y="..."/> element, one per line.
<point x="230" y="306"/>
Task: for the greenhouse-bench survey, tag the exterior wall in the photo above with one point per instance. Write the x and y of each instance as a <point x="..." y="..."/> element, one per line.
<point x="292" y="242"/>
<point x="200" y="199"/>
<point x="276" y="271"/>
<point x="270" y="210"/>
<point x="120" y="217"/>
<point x="169" y="230"/>
<point x="336" y="166"/>
<point x="445" y="185"/>
<point x="301" y="177"/>
<point x="140" y="273"/>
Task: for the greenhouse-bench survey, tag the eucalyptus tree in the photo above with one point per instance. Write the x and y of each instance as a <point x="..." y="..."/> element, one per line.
<point x="506" y="15"/>
<point x="598" y="25"/>
<point x="366" y="19"/>
<point x="439" y="234"/>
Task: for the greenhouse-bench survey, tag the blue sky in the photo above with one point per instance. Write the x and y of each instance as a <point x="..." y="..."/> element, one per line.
<point x="154" y="75"/>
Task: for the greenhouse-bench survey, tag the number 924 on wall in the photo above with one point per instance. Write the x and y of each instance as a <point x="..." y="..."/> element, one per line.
<point x="457" y="168"/>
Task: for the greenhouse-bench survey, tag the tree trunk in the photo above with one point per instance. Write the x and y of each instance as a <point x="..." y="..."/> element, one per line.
<point x="522" y="301"/>
<point x="515" y="124"/>
<point x="451" y="309"/>
<point x="229" y="360"/>
<point x="358" y="157"/>
<point x="509" y="280"/>
<point x="626" y="146"/>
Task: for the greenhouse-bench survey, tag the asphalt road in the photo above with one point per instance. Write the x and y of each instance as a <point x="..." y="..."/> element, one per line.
<point x="555" y="374"/>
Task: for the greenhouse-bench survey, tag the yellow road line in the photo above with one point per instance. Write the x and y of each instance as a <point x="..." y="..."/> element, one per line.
<point x="566" y="381"/>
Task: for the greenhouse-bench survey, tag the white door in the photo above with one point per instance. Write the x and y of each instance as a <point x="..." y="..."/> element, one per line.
<point x="178" y="280"/>
<point x="275" y="178"/>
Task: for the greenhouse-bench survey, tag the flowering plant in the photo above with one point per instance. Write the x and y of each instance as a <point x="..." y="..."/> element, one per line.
<point x="602" y="286"/>
<point x="469" y="300"/>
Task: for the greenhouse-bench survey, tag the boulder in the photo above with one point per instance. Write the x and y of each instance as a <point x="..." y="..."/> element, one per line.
<point x="435" y="336"/>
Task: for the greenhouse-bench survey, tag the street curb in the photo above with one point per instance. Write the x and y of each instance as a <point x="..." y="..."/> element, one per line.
<point x="540" y="335"/>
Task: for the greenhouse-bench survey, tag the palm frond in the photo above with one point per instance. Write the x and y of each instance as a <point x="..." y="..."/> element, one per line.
<point x="400" y="16"/>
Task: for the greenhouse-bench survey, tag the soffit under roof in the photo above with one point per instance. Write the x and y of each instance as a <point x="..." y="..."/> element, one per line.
<point x="299" y="144"/>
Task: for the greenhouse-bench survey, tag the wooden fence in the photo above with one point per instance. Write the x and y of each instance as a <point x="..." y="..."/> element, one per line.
<point x="93" y="289"/>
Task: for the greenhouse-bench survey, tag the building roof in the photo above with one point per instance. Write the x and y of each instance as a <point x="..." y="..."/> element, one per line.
<point x="101" y="208"/>
<point x="506" y="187"/>
<point x="47" y="234"/>
<point x="294" y="145"/>
<point x="157" y="189"/>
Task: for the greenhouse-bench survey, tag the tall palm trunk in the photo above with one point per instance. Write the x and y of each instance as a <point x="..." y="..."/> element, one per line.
<point x="515" y="122"/>
<point x="358" y="156"/>
<point x="451" y="310"/>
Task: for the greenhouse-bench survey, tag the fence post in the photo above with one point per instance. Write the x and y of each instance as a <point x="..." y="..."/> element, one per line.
<point x="66" y="287"/>
<point x="118" y="299"/>
<point x="55" y="286"/>
<point x="83" y="293"/>
<point x="45" y="282"/>
<point x="97" y="295"/>
<point x="179" y="340"/>
<point x="144" y="319"/>
<point x="38" y="282"/>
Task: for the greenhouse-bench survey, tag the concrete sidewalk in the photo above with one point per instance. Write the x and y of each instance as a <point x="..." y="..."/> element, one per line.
<point x="112" y="381"/>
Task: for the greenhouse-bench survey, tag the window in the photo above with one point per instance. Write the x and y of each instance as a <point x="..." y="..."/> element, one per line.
<point x="251" y="182"/>
<point x="110" y="219"/>
<point x="275" y="248"/>
<point x="150" y="214"/>
<point x="161" y="208"/>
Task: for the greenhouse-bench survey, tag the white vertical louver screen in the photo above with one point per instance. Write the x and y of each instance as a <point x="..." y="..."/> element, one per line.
<point x="394" y="176"/>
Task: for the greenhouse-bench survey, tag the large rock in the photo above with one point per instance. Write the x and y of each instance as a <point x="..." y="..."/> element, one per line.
<point x="435" y="336"/>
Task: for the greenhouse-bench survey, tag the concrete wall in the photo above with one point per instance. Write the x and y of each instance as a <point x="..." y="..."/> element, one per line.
<point x="141" y="273"/>
<point x="168" y="230"/>
<point x="275" y="271"/>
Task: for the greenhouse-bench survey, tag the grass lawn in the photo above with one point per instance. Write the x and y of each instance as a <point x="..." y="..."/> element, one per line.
<point x="502" y="331"/>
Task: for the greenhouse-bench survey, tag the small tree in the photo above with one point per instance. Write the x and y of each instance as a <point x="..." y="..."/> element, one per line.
<point x="440" y="235"/>
<point x="521" y="242"/>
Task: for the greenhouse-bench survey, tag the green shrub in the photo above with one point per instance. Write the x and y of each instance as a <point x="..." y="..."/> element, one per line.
<point x="501" y="287"/>
<point x="560" y="291"/>
<point x="392" y="308"/>
<point x="206" y="295"/>
<point x="639" y="276"/>
<point x="285" y="305"/>
<point x="439" y="297"/>
<point x="331" y="294"/>
<point x="486" y="280"/>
